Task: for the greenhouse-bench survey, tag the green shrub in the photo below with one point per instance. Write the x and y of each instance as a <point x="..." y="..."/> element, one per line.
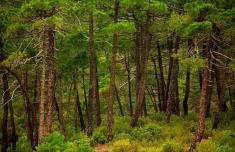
<point x="149" y="132"/>
<point x="157" y="117"/>
<point x="172" y="146"/>
<point x="23" y="144"/>
<point x="224" y="138"/>
<point x="124" y="145"/>
<point x="206" y="146"/>
<point x="98" y="137"/>
<point x="192" y="116"/>
<point x="121" y="125"/>
<point x="56" y="142"/>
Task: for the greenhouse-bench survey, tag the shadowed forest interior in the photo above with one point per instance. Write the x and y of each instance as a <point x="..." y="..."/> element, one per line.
<point x="117" y="75"/>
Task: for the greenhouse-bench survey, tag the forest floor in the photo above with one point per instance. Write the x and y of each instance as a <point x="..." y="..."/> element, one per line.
<point x="101" y="148"/>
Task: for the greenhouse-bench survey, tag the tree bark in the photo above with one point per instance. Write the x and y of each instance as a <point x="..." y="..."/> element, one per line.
<point x="14" y="136"/>
<point x="51" y="77"/>
<point x="143" y="71"/>
<point x="187" y="90"/>
<point x="172" y="93"/>
<point x="112" y="75"/>
<point x="202" y="107"/>
<point x="127" y="65"/>
<point x="119" y="101"/>
<point x="162" y="85"/>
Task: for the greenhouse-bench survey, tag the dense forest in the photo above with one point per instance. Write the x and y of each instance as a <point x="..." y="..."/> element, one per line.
<point x="117" y="75"/>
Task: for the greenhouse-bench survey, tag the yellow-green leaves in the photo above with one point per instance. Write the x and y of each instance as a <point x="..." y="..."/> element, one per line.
<point x="158" y="7"/>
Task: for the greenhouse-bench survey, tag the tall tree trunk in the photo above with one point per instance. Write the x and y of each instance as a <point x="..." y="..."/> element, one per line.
<point x="172" y="93"/>
<point x="41" y="129"/>
<point x="187" y="90"/>
<point x="145" y="107"/>
<point x="51" y="77"/>
<point x="143" y="70"/>
<point x="93" y="77"/>
<point x="170" y="47"/>
<point x="127" y="65"/>
<point x="153" y="99"/>
<point x="6" y="100"/>
<point x="112" y="75"/>
<point x="158" y="88"/>
<point x="119" y="101"/>
<point x="98" y="114"/>
<point x="35" y="107"/>
<point x="203" y="96"/>
<point x="58" y="106"/>
<point x="162" y="85"/>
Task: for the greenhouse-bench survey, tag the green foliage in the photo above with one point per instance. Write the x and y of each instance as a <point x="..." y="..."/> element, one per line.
<point x="225" y="138"/>
<point x="120" y="27"/>
<point x="124" y="145"/>
<point x="23" y="144"/>
<point x="98" y="138"/>
<point x="56" y="142"/>
<point x="198" y="27"/>
<point x="172" y="146"/>
<point x="150" y="132"/>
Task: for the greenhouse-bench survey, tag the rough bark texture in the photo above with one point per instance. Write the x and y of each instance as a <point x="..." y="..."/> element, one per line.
<point x="51" y="77"/>
<point x="112" y="75"/>
<point x="202" y="107"/>
<point x="187" y="90"/>
<point x="14" y="136"/>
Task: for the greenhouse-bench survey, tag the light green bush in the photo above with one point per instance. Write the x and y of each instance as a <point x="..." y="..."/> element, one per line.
<point x="124" y="145"/>
<point x="23" y="144"/>
<point x="98" y="137"/>
<point x="172" y="146"/>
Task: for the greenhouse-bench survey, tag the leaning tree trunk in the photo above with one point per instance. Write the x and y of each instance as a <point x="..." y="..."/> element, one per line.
<point x="6" y="100"/>
<point x="13" y="128"/>
<point x="119" y="101"/>
<point x="143" y="71"/>
<point x="203" y="96"/>
<point x="112" y="75"/>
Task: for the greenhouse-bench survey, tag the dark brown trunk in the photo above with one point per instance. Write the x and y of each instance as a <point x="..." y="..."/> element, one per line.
<point x="112" y="75"/>
<point x="143" y="71"/>
<point x="98" y="114"/>
<point x="153" y="99"/>
<point x="162" y="85"/>
<point x="170" y="47"/>
<point x="6" y="100"/>
<point x="127" y="65"/>
<point x="145" y="107"/>
<point x="172" y="101"/>
<point x="35" y="107"/>
<point x="187" y="90"/>
<point x="119" y="101"/>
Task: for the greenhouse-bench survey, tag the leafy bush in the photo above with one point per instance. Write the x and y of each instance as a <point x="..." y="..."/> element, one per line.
<point x="98" y="138"/>
<point x="172" y="146"/>
<point x="23" y="144"/>
<point x="56" y="142"/>
<point x="149" y="132"/>
<point x="124" y="145"/>
<point x="206" y="146"/>
<point x="224" y="138"/>
<point x="121" y="125"/>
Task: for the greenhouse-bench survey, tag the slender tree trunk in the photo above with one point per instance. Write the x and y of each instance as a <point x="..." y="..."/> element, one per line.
<point x="127" y="64"/>
<point x="93" y="78"/>
<point x="51" y="77"/>
<point x="35" y="107"/>
<point x="69" y="101"/>
<point x="98" y="114"/>
<point x="162" y="85"/>
<point x="170" y="47"/>
<point x="172" y="93"/>
<point x="119" y="101"/>
<point x="112" y="75"/>
<point x="153" y="99"/>
<point x="202" y="107"/>
<point x="145" y="107"/>
<point x="6" y="100"/>
<point x="143" y="70"/>
<point x="187" y="90"/>
<point x="58" y="106"/>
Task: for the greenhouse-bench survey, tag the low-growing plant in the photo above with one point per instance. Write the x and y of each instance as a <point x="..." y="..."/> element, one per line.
<point x="172" y="146"/>
<point x="124" y="145"/>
